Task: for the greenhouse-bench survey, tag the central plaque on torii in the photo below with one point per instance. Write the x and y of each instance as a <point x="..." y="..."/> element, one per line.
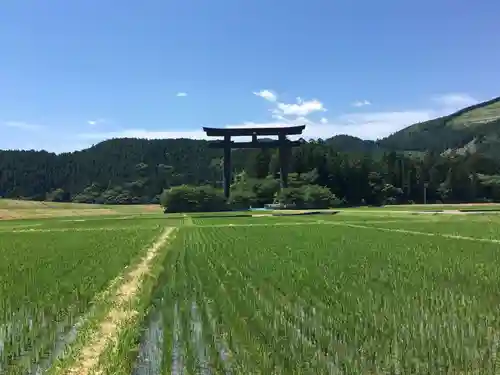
<point x="283" y="144"/>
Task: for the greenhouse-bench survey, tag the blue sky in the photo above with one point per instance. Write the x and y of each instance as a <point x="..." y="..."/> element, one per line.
<point x="73" y="73"/>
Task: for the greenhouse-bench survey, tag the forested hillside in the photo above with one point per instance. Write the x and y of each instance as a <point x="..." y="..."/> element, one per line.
<point x="458" y="160"/>
<point x="477" y="125"/>
<point x="137" y="171"/>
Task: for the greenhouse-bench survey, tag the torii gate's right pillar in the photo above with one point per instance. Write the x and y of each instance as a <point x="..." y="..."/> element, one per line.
<point x="284" y="157"/>
<point x="227" y="165"/>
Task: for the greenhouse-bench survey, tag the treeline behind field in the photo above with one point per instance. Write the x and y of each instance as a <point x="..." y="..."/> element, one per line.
<point x="132" y="171"/>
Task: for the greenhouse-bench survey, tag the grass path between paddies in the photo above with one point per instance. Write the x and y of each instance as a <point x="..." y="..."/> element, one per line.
<point x="428" y="234"/>
<point x="121" y="311"/>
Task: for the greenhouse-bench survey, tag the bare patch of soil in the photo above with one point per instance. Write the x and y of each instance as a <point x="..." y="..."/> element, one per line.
<point x="9" y="214"/>
<point x="81" y="212"/>
<point x="121" y="312"/>
<point x="152" y="207"/>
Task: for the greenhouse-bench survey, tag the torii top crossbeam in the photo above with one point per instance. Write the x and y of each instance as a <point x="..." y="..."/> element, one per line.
<point x="240" y="132"/>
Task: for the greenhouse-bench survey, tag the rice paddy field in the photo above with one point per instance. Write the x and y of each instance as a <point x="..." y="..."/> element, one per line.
<point x="356" y="292"/>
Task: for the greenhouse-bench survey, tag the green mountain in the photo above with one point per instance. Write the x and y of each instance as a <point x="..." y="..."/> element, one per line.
<point x="474" y="129"/>
<point x="138" y="168"/>
<point x="348" y="143"/>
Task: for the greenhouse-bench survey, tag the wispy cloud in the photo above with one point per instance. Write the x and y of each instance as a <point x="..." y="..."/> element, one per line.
<point x="455" y="101"/>
<point x="361" y="103"/>
<point x="375" y="125"/>
<point x="22" y="125"/>
<point x="267" y="94"/>
<point x="368" y="125"/>
<point x="181" y="94"/>
<point x="96" y="122"/>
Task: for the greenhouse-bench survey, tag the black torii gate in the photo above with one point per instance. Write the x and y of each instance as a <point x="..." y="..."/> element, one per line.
<point x="283" y="144"/>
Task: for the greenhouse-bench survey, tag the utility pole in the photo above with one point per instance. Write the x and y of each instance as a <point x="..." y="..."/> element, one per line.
<point x="425" y="192"/>
<point x="402" y="171"/>
<point x="408" y="182"/>
<point x="403" y="179"/>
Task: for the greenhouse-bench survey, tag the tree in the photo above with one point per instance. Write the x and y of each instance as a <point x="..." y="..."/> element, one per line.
<point x="316" y="196"/>
<point x="57" y="195"/>
<point x="242" y="200"/>
<point x="258" y="166"/>
<point x="263" y="190"/>
<point x="187" y="198"/>
<point x="307" y="196"/>
<point x="391" y="194"/>
<point x="292" y="197"/>
<point x="91" y="194"/>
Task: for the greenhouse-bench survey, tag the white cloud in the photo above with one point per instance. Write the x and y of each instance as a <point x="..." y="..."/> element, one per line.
<point x="181" y="94"/>
<point x="361" y="103"/>
<point x="370" y="125"/>
<point x="455" y="101"/>
<point x="22" y="125"/>
<point x="366" y="126"/>
<point x="375" y="125"/>
<point x="267" y="94"/>
<point x="96" y="122"/>
<point x="301" y="108"/>
<point x="279" y="117"/>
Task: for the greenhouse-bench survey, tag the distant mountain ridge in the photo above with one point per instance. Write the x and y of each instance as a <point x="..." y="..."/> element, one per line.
<point x="474" y="129"/>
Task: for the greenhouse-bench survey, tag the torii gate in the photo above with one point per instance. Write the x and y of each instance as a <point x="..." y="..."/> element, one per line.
<point x="283" y="144"/>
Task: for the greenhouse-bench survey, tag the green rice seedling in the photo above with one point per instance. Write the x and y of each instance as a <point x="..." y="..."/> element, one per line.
<point x="295" y="299"/>
<point x="49" y="279"/>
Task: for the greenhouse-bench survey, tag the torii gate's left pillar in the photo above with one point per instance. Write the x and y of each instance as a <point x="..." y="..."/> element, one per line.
<point x="227" y="165"/>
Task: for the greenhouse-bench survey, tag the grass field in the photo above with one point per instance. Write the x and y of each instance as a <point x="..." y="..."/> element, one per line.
<point x="363" y="291"/>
